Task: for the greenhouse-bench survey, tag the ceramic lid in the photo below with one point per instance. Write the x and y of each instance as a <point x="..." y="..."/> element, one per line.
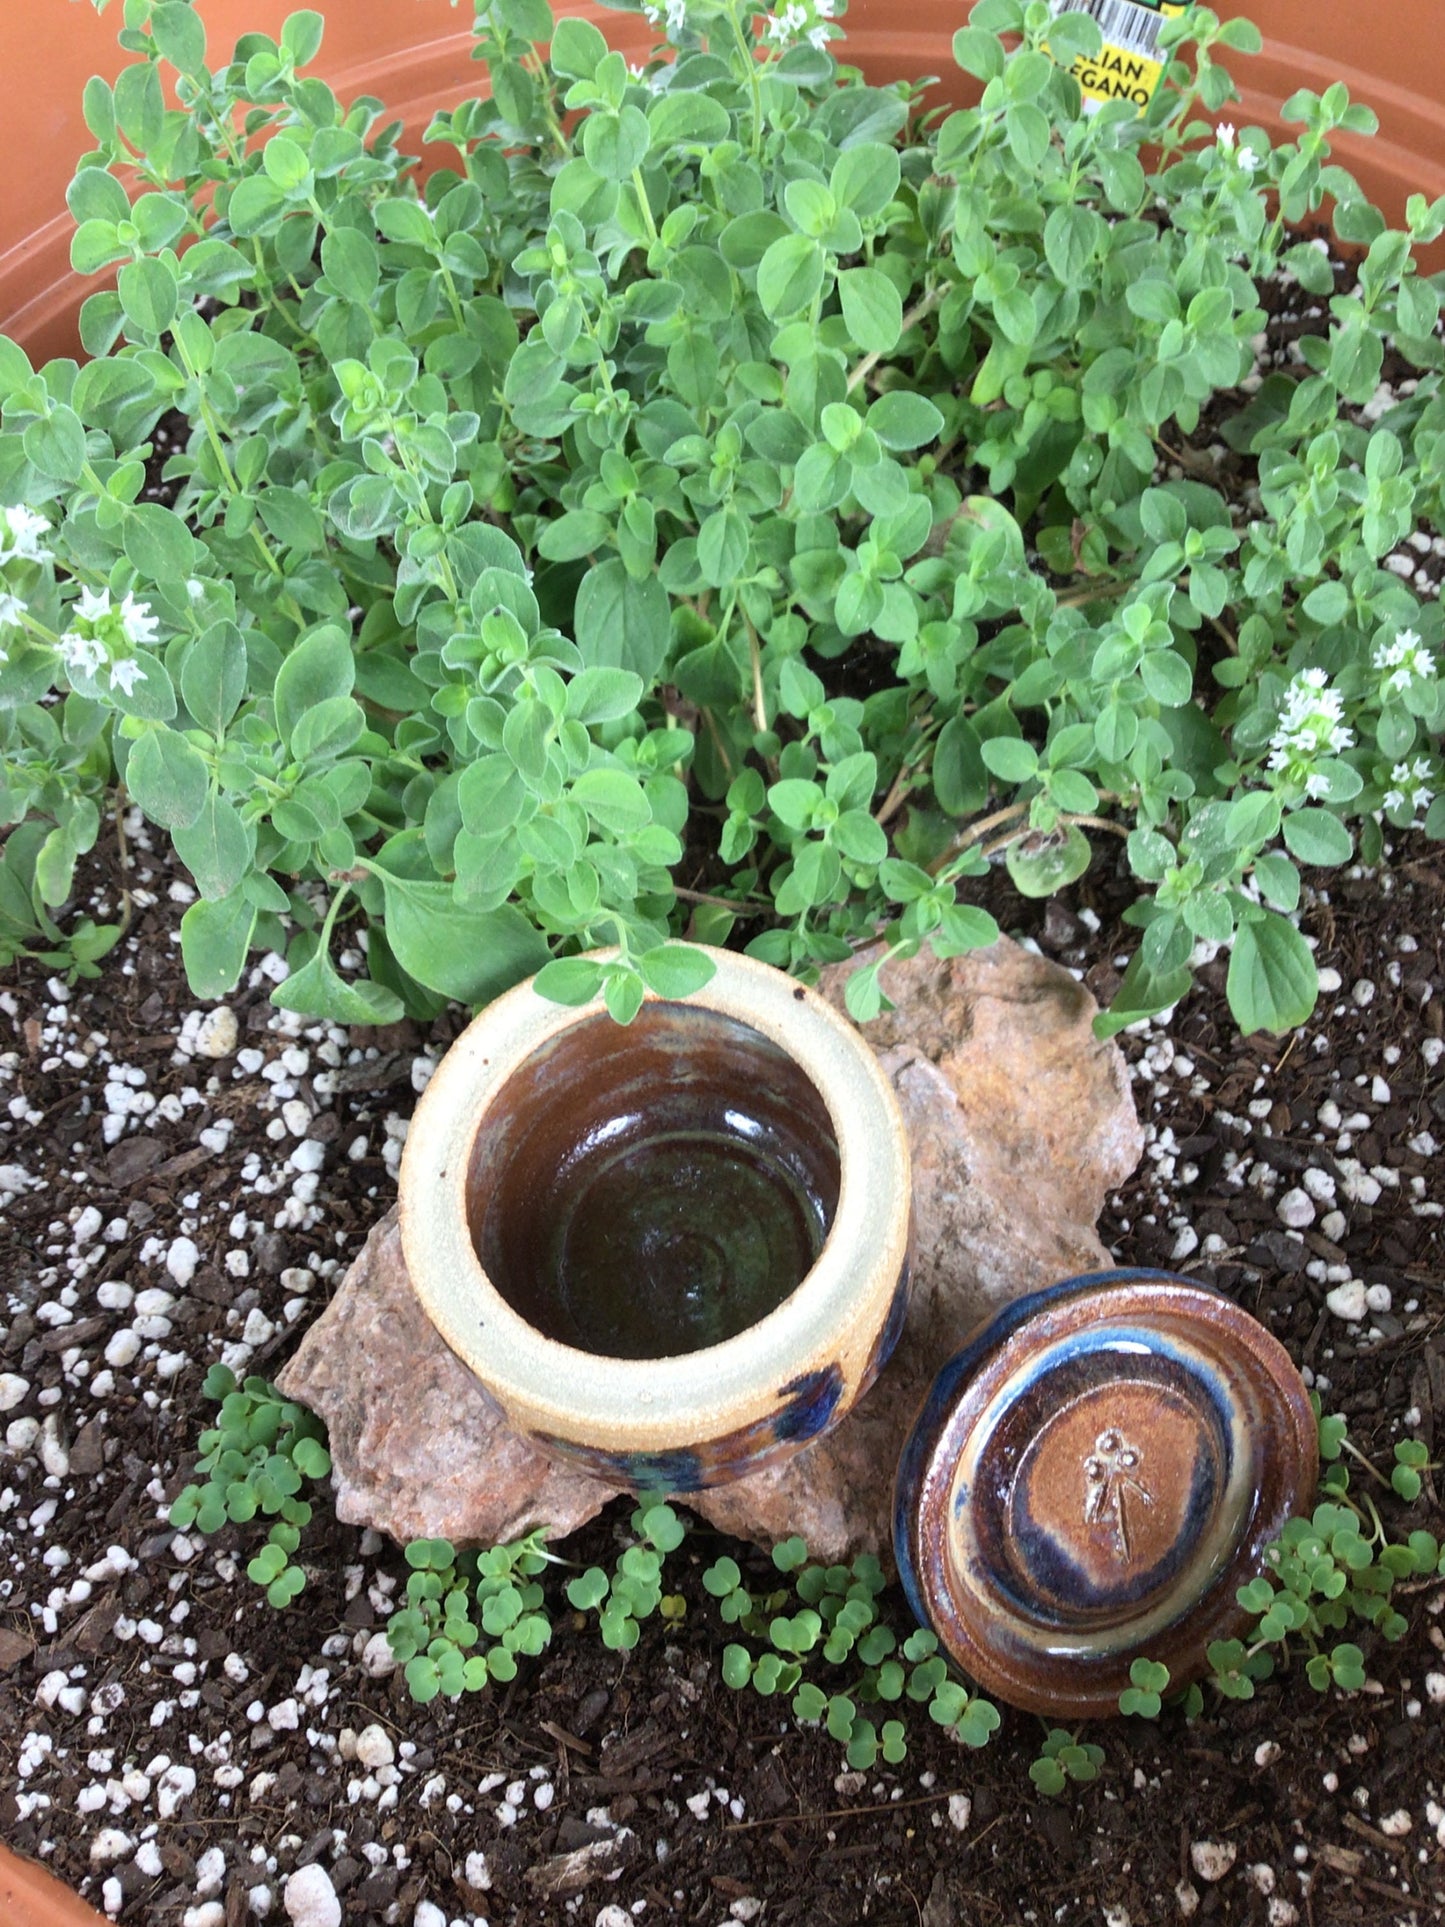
<point x="1092" y="1478"/>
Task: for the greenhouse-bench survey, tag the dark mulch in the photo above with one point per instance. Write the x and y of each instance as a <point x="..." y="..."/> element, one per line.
<point x="702" y="1801"/>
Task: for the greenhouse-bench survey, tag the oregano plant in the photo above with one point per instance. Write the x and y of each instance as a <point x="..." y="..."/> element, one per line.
<point x="718" y="469"/>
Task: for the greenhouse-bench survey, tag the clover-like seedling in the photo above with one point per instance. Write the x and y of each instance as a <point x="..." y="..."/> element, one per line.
<point x="1142" y="1697"/>
<point x="588" y="1590"/>
<point x="1344" y="1665"/>
<point x="454" y="1602"/>
<point x="257" y="1457"/>
<point x="634" y="1590"/>
<point x="737" y="1666"/>
<point x="1065" y="1758"/>
<point x="724" y="1580"/>
<point x="1412" y="1456"/>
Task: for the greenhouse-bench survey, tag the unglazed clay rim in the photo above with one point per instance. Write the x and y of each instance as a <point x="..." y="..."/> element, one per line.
<point x="1074" y="1683"/>
<point x="655" y="1404"/>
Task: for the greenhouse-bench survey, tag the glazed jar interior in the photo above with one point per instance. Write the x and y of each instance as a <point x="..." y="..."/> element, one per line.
<point x="651" y="1190"/>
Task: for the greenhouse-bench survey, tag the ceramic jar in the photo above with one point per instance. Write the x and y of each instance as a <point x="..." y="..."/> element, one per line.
<point x="672" y="1251"/>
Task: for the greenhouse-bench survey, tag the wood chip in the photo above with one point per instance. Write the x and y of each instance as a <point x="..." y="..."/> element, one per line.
<point x="13" y="1648"/>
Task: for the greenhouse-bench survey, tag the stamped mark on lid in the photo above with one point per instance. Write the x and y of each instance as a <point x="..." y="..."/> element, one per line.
<point x="1113" y="1480"/>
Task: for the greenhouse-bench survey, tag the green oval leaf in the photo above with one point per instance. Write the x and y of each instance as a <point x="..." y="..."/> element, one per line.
<point x="1272" y="983"/>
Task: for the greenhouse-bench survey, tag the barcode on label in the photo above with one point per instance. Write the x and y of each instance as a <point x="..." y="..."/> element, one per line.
<point x="1122" y="23"/>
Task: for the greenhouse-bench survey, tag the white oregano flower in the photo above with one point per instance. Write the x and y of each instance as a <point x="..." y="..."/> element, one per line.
<point x="85" y="654"/>
<point x="91" y="605"/>
<point x="1249" y="161"/>
<point x="785" y="27"/>
<point x="1224" y="134"/>
<point x="1406" y="659"/>
<point x="1311" y="725"/>
<point x="12" y="614"/>
<point x="818" y="35"/>
<point x="23" y="528"/>
<point x="1412" y="786"/>
<point x="99" y="627"/>
<point x="125" y="673"/>
<point x="139" y="624"/>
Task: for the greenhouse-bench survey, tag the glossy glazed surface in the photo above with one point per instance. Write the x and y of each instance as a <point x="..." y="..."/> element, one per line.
<point x="1092" y="1479"/>
<point x="484" y="1197"/>
<point x="648" y="1192"/>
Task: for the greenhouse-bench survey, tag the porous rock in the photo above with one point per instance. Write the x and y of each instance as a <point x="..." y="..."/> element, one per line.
<point x="1019" y="1120"/>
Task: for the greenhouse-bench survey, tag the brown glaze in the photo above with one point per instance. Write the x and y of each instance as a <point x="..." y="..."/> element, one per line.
<point x="650" y="1191"/>
<point x="1092" y="1479"/>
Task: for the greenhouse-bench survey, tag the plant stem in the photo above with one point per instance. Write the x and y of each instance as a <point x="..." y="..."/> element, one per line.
<point x="127" y="908"/>
<point x="644" y="206"/>
<point x="1379" y="1477"/>
<point x="1103" y="592"/>
<point x="755" y="652"/>
<point x="972" y="835"/>
<point x="1096" y="823"/>
<point x="750" y="60"/>
<point x="924" y="306"/>
<point x="720" y="903"/>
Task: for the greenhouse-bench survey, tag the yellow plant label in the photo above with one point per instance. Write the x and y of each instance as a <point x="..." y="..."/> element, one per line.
<point x="1130" y="64"/>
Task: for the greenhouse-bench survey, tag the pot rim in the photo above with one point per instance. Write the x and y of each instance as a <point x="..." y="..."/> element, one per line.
<point x="654" y="1403"/>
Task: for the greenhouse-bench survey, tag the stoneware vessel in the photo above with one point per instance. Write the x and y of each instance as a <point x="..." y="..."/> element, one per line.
<point x="1090" y="1481"/>
<point x="671" y="1251"/>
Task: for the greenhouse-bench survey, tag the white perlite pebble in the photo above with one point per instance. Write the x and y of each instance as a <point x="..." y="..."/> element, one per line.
<point x="374" y="1747"/>
<point x="182" y="1260"/>
<point x="1212" y="1859"/>
<point x="310" y="1899"/>
<point x="960" y="1811"/>
<point x="210" y="1872"/>
<point x="122" y="1348"/>
<point x="1348" y="1301"/>
<point x="428" y="1914"/>
<point x="12" y="1389"/>
<point x="175" y="1785"/>
<point x="1296" y="1209"/>
<point x="219" y="1033"/>
<point x="478" y="1873"/>
<point x="296" y="1115"/>
<point x="377" y="1659"/>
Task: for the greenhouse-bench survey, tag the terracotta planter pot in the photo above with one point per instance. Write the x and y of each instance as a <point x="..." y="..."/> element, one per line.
<point x="1394" y="62"/>
<point x="415" y="55"/>
<point x="31" y="1897"/>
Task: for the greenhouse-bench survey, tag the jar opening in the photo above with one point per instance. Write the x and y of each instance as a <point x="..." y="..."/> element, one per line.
<point x="652" y="1190"/>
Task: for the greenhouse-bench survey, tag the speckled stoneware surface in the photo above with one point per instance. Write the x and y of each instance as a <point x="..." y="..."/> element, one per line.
<point x="1092" y="1478"/>
<point x="580" y="1201"/>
